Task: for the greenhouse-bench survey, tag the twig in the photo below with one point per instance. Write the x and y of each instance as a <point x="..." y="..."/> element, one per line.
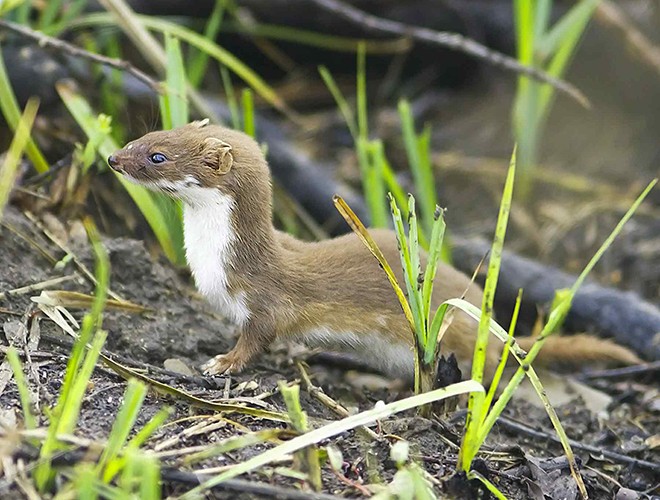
<point x="30" y="241"/>
<point x="450" y="40"/>
<point x="611" y="14"/>
<point x="625" y="371"/>
<point x="330" y="403"/>
<point x="597" y="451"/>
<point x="249" y="487"/>
<point x="56" y="167"/>
<point x="37" y="286"/>
<point x="73" y="50"/>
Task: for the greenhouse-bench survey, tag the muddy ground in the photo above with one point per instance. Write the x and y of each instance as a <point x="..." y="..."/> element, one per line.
<point x="523" y="462"/>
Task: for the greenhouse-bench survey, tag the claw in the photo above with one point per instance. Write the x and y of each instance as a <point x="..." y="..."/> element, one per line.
<point x="222" y="363"/>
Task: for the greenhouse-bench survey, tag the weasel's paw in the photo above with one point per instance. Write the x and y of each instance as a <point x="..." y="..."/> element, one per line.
<point x="223" y="363"/>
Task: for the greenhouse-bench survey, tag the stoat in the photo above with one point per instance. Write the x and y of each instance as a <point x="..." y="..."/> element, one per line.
<point x="329" y="294"/>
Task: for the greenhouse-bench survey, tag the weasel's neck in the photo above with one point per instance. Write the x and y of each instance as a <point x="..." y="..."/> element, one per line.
<point x="224" y="239"/>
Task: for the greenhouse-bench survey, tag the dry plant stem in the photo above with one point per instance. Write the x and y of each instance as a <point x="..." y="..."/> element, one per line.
<point x="609" y="13"/>
<point x="30" y="241"/>
<point x="453" y="41"/>
<point x="73" y="50"/>
<point x="597" y="451"/>
<point x="330" y="403"/>
<point x="37" y="286"/>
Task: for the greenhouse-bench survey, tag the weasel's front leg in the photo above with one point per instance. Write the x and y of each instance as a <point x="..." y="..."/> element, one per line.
<point x="257" y="334"/>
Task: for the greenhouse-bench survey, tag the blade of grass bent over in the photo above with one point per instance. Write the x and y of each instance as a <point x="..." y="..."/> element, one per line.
<point x="331" y="430"/>
<point x="555" y="319"/>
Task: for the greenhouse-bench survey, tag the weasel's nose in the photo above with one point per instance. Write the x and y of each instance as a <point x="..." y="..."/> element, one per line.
<point x="114" y="163"/>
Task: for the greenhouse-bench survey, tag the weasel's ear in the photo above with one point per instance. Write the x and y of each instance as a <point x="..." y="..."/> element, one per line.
<point x="217" y="155"/>
<point x="199" y="123"/>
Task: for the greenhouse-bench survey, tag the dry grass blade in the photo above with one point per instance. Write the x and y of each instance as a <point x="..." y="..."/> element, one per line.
<point x="35" y="287"/>
<point x="165" y="389"/>
<point x="78" y="300"/>
<point x="334" y="429"/>
<point x="365" y="237"/>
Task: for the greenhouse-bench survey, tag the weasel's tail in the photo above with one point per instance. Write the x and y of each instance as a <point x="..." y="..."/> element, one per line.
<point x="580" y="349"/>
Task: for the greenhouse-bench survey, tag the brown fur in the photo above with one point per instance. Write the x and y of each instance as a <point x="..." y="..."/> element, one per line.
<point x="293" y="287"/>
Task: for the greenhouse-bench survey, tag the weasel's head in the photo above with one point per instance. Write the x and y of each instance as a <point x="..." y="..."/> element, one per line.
<point x="187" y="160"/>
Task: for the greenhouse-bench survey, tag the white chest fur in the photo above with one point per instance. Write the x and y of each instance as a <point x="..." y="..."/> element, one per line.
<point x="209" y="239"/>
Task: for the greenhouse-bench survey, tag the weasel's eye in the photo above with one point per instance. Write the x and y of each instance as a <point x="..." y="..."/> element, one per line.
<point x="158" y="158"/>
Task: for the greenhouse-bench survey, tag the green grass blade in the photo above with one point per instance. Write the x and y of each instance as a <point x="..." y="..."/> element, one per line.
<point x="524" y="13"/>
<point x="248" y="113"/>
<point x="174" y="102"/>
<point x="542" y="15"/>
<point x="362" y="119"/>
<point x="309" y="458"/>
<point x="564" y="38"/>
<point x="12" y="160"/>
<point x="230" y="97"/>
<point x="567" y="30"/>
<point x="199" y="60"/>
<point x="8" y="5"/>
<point x="610" y="239"/>
<point x="497" y="376"/>
<point x="333" y="429"/>
<point x="417" y="150"/>
<point x="373" y="184"/>
<point x="406" y="261"/>
<point x="79" y="367"/>
<point x="23" y="392"/>
<point x="416" y="272"/>
<point x="152" y="426"/>
<point x="121" y="427"/>
<point x="473" y="474"/>
<point x="435" y="252"/>
<point x="49" y="13"/>
<point x="391" y="182"/>
<point x="341" y="101"/>
<point x="198" y="41"/>
<point x="12" y="113"/>
<point x="150" y="488"/>
<point x="475" y="401"/>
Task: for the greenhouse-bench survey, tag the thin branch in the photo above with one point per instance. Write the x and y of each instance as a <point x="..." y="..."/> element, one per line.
<point x="449" y="40"/>
<point x="35" y="287"/>
<point x="75" y="51"/>
<point x="597" y="451"/>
